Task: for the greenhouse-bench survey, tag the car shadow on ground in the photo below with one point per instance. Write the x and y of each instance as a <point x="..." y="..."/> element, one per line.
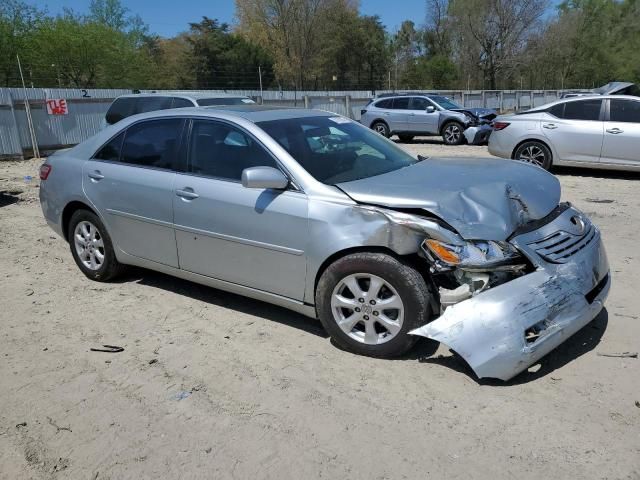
<point x="421" y="141"/>
<point x="596" y="173"/>
<point x="224" y="299"/>
<point x="584" y="341"/>
<point x="9" y="197"/>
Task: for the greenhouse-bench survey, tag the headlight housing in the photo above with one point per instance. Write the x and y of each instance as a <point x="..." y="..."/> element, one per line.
<point x="474" y="255"/>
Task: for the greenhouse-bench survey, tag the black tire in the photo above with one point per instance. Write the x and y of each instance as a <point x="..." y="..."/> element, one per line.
<point x="109" y="268"/>
<point x="535" y="153"/>
<point x="452" y="133"/>
<point x="381" y="128"/>
<point x="407" y="282"/>
<point x="405" y="138"/>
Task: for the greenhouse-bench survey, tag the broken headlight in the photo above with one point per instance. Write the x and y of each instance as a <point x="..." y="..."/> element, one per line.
<point x="475" y="255"/>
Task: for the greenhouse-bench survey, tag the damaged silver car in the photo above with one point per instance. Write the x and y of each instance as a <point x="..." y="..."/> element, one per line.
<point x="318" y="214"/>
<point x="410" y="114"/>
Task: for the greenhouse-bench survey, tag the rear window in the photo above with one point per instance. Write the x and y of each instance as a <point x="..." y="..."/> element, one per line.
<point x="205" y="102"/>
<point x="401" y="103"/>
<point x="387" y="103"/>
<point x="119" y="109"/>
<point x="181" y="102"/>
<point x="582" y="110"/>
<point x="111" y="150"/>
<point x="151" y="104"/>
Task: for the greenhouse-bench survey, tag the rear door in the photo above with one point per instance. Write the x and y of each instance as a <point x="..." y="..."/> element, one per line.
<point x="251" y="237"/>
<point x="399" y="114"/>
<point x="130" y="181"/>
<point x="418" y="119"/>
<point x="575" y="129"/>
<point x="622" y="133"/>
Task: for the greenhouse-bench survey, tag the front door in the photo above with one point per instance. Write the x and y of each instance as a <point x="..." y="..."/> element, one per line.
<point x="622" y="133"/>
<point x="130" y="182"/>
<point x="251" y="237"/>
<point x="419" y="120"/>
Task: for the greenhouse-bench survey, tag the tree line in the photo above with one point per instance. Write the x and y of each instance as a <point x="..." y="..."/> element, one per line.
<point x="328" y="45"/>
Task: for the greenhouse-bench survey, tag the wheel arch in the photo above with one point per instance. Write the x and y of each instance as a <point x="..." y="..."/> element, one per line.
<point x="68" y="211"/>
<point x="413" y="260"/>
<point x="448" y="121"/>
<point x="533" y="139"/>
<point x="379" y="120"/>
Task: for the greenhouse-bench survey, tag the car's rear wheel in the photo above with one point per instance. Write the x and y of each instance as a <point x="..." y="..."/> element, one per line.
<point x="368" y="302"/>
<point x="452" y="133"/>
<point x="535" y="153"/>
<point x="405" y="138"/>
<point x="91" y="247"/>
<point x="382" y="128"/>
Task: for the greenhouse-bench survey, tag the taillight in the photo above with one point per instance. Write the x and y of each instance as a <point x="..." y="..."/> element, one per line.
<point x="500" y="125"/>
<point x="45" y="170"/>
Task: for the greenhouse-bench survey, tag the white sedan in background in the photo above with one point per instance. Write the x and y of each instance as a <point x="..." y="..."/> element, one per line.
<point x="588" y="131"/>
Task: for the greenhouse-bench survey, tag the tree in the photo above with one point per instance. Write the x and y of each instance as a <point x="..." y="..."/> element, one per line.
<point x="18" y="21"/>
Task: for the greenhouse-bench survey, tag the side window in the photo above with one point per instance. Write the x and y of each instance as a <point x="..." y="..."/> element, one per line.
<point x="119" y="109"/>
<point x="220" y="150"/>
<point x="557" y="110"/>
<point x="582" y="110"/>
<point x="111" y="151"/>
<point x="388" y="103"/>
<point x="401" y="103"/>
<point x="181" y="102"/>
<point x="418" y="103"/>
<point x="150" y="104"/>
<point x="624" y="111"/>
<point x="153" y="143"/>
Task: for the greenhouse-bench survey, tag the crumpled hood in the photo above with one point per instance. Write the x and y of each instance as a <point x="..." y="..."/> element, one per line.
<point x="482" y="198"/>
<point x="484" y="113"/>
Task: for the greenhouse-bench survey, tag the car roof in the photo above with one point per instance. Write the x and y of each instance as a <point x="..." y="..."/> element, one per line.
<point x="253" y="113"/>
<point x="183" y="94"/>
<point x="590" y="96"/>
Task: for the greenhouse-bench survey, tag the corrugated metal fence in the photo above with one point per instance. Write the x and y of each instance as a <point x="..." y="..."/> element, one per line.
<point x="88" y="107"/>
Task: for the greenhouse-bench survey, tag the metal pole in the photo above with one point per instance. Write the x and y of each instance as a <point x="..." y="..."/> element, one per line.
<point x="260" y="75"/>
<point x="389" y="79"/>
<point x="27" y="109"/>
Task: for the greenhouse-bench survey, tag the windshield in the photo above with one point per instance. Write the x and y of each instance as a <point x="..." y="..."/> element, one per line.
<point x="445" y="102"/>
<point x="336" y="149"/>
<point x="206" y="102"/>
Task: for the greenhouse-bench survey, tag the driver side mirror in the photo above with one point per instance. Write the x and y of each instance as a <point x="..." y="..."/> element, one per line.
<point x="431" y="109"/>
<point x="264" y="177"/>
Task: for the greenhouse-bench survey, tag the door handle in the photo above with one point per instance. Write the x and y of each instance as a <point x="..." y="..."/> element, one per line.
<point x="412" y="114"/>
<point x="550" y="126"/>
<point x="187" y="193"/>
<point x="615" y="131"/>
<point x="95" y="176"/>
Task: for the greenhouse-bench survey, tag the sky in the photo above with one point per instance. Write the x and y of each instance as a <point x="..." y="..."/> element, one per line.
<point x="167" y="18"/>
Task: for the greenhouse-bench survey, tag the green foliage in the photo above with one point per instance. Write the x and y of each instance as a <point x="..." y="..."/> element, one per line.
<point x="327" y="44"/>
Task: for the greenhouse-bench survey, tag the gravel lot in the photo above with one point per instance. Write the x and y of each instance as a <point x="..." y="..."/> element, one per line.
<point x="213" y="385"/>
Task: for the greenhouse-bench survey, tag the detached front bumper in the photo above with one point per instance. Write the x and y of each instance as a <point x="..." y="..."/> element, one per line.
<point x="505" y="329"/>
<point x="478" y="135"/>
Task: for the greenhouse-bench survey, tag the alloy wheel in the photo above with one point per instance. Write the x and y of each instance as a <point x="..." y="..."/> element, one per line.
<point x="367" y="308"/>
<point x="452" y="133"/>
<point x="532" y="154"/>
<point x="89" y="245"/>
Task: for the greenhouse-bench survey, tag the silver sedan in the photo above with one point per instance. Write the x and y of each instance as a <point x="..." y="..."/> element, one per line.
<point x="316" y="213"/>
<point x="586" y="131"/>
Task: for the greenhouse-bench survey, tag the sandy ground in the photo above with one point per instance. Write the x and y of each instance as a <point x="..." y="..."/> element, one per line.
<point x="212" y="385"/>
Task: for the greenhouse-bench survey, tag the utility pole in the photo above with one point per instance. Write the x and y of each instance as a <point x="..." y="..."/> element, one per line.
<point x="27" y="109"/>
<point x="260" y="75"/>
<point x="389" y="79"/>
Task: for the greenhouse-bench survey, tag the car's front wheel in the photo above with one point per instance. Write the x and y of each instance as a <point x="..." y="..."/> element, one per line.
<point x="535" y="153"/>
<point x="91" y="247"/>
<point x="369" y="302"/>
<point x="452" y="133"/>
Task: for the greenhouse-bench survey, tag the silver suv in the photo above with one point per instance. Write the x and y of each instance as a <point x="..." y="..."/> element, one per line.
<point x="407" y="115"/>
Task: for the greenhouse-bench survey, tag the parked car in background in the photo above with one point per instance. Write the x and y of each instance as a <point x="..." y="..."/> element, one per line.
<point x="127" y="105"/>
<point x="316" y="213"/>
<point x="407" y="115"/>
<point x="594" y="131"/>
<point x="611" y="88"/>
